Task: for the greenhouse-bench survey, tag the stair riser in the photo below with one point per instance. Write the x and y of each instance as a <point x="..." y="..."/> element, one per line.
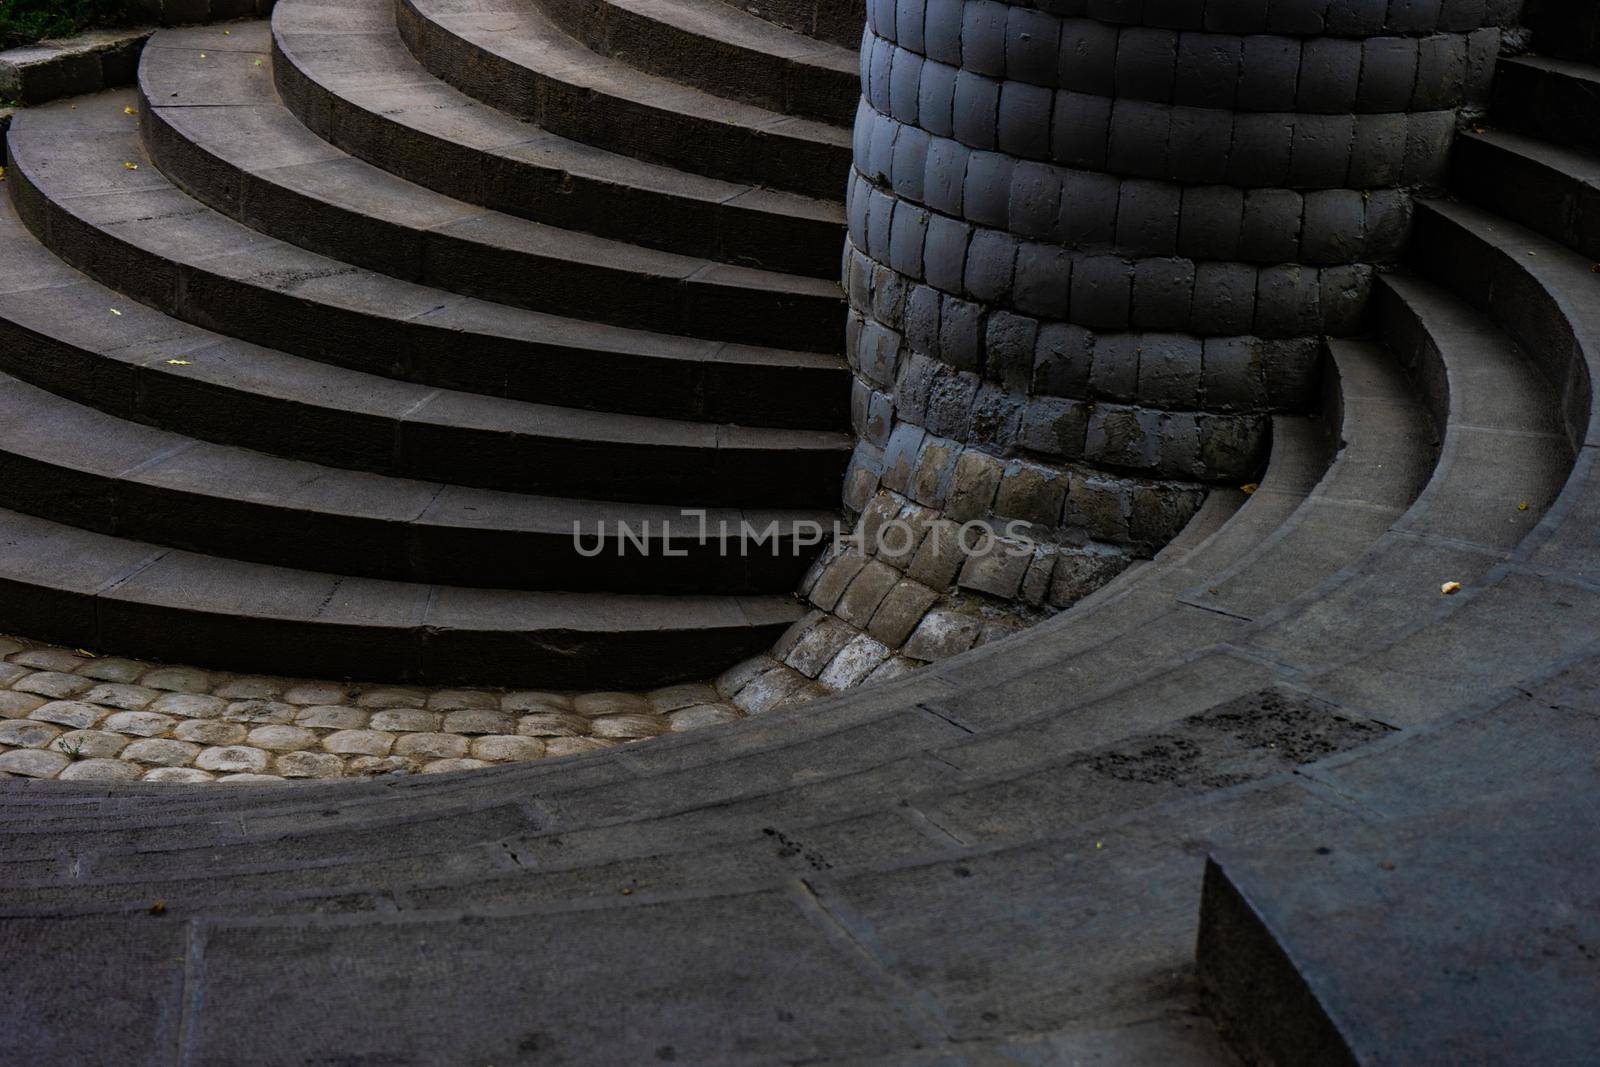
<point x="443" y="453"/>
<point x="838" y="21"/>
<point x="412" y="350"/>
<point x="1546" y="104"/>
<point x="390" y="548"/>
<point x="553" y="659"/>
<point x="1566" y="28"/>
<point x="1539" y="197"/>
<point x="727" y="232"/>
<point x="1457" y="259"/>
<point x="768" y="81"/>
<point x="1396" y="323"/>
<point x="619" y="125"/>
<point x="504" y="275"/>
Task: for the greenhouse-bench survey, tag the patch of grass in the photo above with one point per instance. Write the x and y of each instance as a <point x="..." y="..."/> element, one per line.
<point x="25" y="21"/>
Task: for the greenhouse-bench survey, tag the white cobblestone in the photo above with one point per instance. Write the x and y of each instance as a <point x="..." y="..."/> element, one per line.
<point x="161" y="752"/>
<point x="232" y="759"/>
<point x="69" y="713"/>
<point x="359" y="743"/>
<point x="100" y="770"/>
<point x="280" y="738"/>
<point x="33" y="762"/>
<point x="139" y="723"/>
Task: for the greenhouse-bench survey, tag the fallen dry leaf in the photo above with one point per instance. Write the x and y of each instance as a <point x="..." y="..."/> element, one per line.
<point x="1450" y="588"/>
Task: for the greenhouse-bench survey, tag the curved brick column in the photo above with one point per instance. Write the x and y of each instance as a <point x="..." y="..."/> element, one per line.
<point x="1107" y="236"/>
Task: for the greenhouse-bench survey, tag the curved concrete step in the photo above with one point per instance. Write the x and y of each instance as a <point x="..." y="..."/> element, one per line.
<point x="511" y="56"/>
<point x="1297" y="460"/>
<point x="717" y="788"/>
<point x="75" y="465"/>
<point x="835" y="21"/>
<point x="77" y="339"/>
<point x="245" y="155"/>
<point x="1546" y="187"/>
<point x="1556" y="99"/>
<point x="134" y="230"/>
<point x="62" y="160"/>
<point x="79" y="587"/>
<point x="344" y="72"/>
<point x="718" y="48"/>
<point x="1540" y="293"/>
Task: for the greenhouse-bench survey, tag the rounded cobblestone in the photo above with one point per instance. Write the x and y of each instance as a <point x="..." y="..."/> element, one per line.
<point x="33" y="762"/>
<point x="161" y="752"/>
<point x="629" y="725"/>
<point x="100" y="770"/>
<point x="332" y="718"/>
<point x="501" y="748"/>
<point x="405" y="720"/>
<point x="702" y="715"/>
<point x="528" y="702"/>
<point x="19" y="705"/>
<point x="478" y="721"/>
<point x="592" y="705"/>
<point x="92" y="744"/>
<point x="280" y="738"/>
<point x="444" y="766"/>
<point x="553" y="724"/>
<point x="26" y="733"/>
<point x="233" y="759"/>
<point x="432" y="746"/>
<point x="309" y="765"/>
<point x="121" y="697"/>
<point x="189" y="706"/>
<point x="359" y="743"/>
<point x="260" y="711"/>
<point x="207" y="732"/>
<point x="184" y="775"/>
<point x="68" y="713"/>
<point x="139" y="723"/>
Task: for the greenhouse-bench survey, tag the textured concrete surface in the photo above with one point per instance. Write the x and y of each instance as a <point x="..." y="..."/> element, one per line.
<point x="1385" y="649"/>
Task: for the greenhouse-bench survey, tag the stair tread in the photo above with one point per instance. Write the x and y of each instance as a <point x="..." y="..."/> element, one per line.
<point x="371" y="70"/>
<point x="84" y="170"/>
<point x="49" y="300"/>
<point x="128" y="208"/>
<point x="52" y="430"/>
<point x="515" y="58"/>
<point x="1571" y="163"/>
<point x="84" y="587"/>
<point x="721" y="49"/>
<point x="521" y="34"/>
<point x="717" y="20"/>
<point x="1567" y="68"/>
<point x="44" y="553"/>
<point x="1567" y="277"/>
<point x="249" y="130"/>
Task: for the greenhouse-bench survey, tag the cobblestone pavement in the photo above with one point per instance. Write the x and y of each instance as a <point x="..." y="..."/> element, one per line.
<point x="882" y="607"/>
<point x="72" y="715"/>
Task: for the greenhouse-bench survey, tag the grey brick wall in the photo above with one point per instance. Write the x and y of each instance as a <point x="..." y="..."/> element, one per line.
<point x="1113" y="233"/>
